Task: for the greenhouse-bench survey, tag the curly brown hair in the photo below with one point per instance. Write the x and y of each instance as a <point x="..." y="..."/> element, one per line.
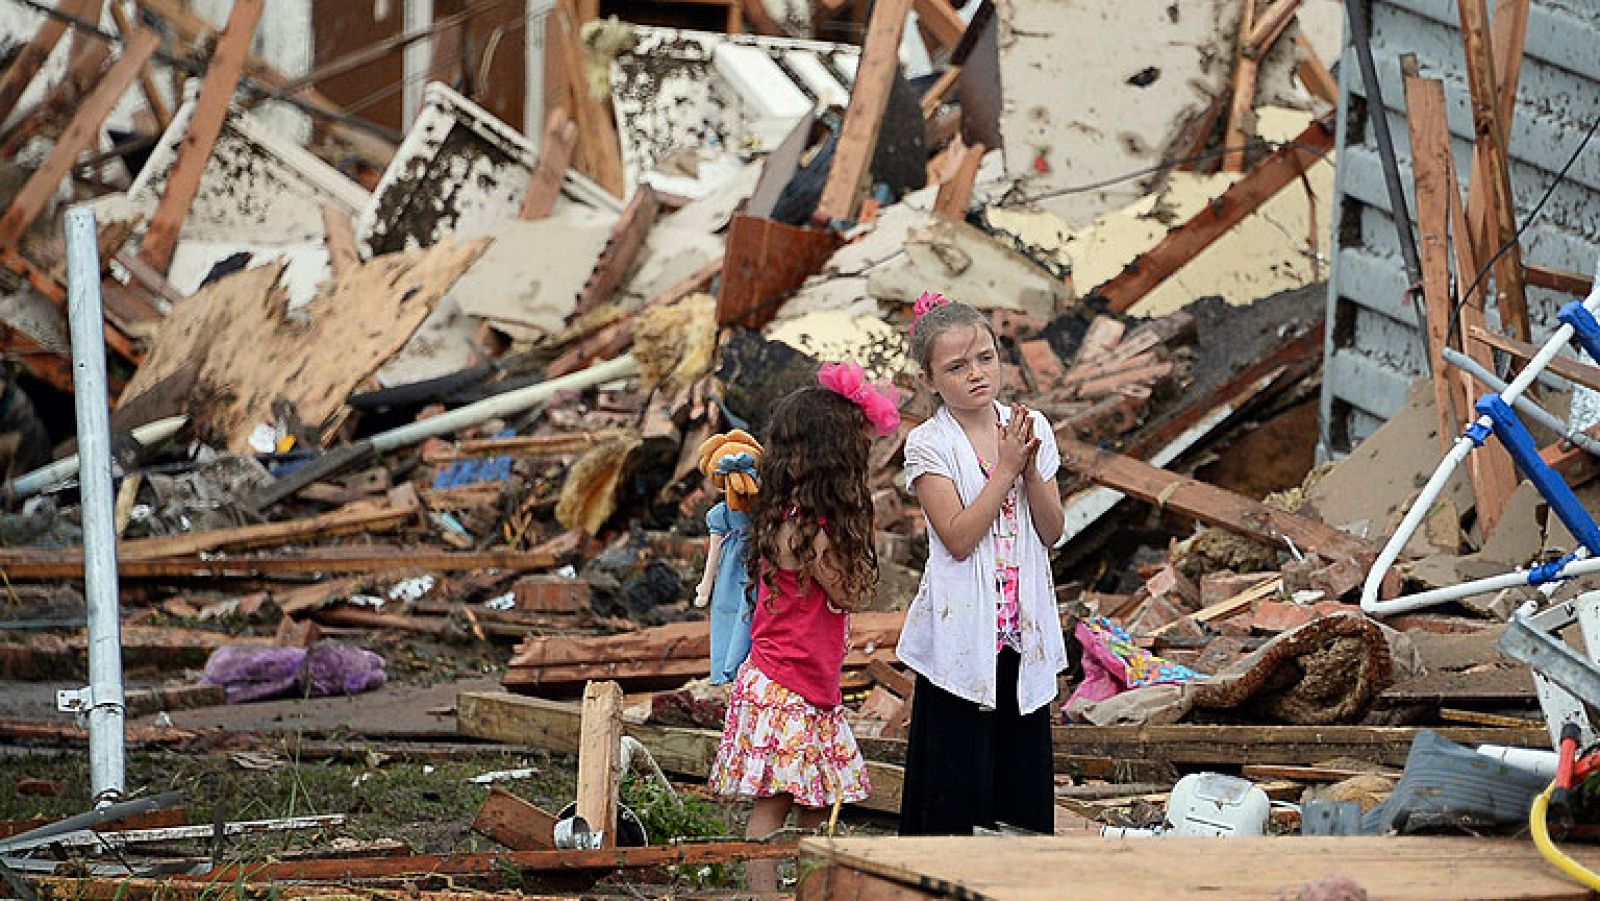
<point x="815" y="471"/>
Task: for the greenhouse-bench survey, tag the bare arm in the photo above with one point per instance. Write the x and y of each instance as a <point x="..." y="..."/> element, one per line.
<point x="1044" y="505"/>
<point x="830" y="575"/>
<point x="708" y="579"/>
<point x="960" y="528"/>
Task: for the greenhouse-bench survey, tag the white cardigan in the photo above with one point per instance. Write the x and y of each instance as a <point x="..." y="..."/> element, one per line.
<point x="949" y="633"/>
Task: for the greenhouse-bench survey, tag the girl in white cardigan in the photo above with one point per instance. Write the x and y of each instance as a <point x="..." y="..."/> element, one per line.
<point x="982" y="634"/>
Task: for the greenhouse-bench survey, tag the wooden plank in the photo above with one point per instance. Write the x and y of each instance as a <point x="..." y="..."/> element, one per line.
<point x="35" y="565"/>
<point x="847" y="884"/>
<point x="933" y="98"/>
<point x="627" y="239"/>
<point x="555" y="726"/>
<point x="555" y="154"/>
<point x="869" y="96"/>
<point x="600" y="759"/>
<point x="638" y="674"/>
<point x="884" y="673"/>
<point x="1183" y="243"/>
<point x="1570" y="283"/>
<point x="1314" y="74"/>
<point x="955" y="195"/>
<point x="1311" y="773"/>
<point x="340" y="235"/>
<point x="1241" y="745"/>
<point x="1269" y="27"/>
<point x="1430" y="145"/>
<point x="147" y="77"/>
<point x="210" y="111"/>
<point x="1495" y="171"/>
<point x="31" y="58"/>
<point x="1510" y="33"/>
<point x="1240" y="602"/>
<point x="496" y="863"/>
<point x="1241" y="109"/>
<point x="515" y="823"/>
<point x="1044" y="868"/>
<point x="81" y="132"/>
<point x="63" y="98"/>
<point x="941" y="21"/>
<point x="599" y="149"/>
<point x="1212" y="505"/>
<point x="1573" y="371"/>
<point x="358" y="517"/>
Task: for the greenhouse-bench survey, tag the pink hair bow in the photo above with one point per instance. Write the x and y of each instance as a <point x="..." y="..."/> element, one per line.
<point x="880" y="402"/>
<point x="928" y="301"/>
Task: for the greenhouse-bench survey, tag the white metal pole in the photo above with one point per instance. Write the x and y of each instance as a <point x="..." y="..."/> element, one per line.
<point x="105" y="697"/>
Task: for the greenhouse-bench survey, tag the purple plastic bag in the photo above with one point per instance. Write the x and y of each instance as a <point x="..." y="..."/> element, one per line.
<point x="254" y="673"/>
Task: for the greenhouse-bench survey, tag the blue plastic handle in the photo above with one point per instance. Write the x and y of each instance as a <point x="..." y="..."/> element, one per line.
<point x="1583" y="323"/>
<point x="1519" y="444"/>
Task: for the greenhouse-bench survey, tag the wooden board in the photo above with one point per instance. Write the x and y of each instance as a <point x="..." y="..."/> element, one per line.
<point x="600" y="759"/>
<point x="35" y="564"/>
<point x="254" y="355"/>
<point x="25" y="67"/>
<point x="1238" y="745"/>
<point x="556" y="726"/>
<point x="1430" y="143"/>
<point x="869" y="96"/>
<point x="555" y="152"/>
<point x="1026" y="868"/>
<point x="515" y="823"/>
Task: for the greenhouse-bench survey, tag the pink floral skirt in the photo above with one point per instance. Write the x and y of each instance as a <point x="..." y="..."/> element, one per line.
<point x="776" y="742"/>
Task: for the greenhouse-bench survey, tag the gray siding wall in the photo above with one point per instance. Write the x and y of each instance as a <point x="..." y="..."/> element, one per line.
<point x="1374" y="347"/>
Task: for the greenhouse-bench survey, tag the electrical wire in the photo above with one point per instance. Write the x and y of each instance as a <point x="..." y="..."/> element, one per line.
<point x="1540" y="829"/>
<point x="1459" y="300"/>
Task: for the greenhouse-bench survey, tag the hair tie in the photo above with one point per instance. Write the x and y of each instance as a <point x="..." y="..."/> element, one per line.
<point x="929" y="300"/>
<point x="879" y="402"/>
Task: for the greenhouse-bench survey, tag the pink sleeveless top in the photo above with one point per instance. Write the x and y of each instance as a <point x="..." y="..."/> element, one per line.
<point x="799" y="642"/>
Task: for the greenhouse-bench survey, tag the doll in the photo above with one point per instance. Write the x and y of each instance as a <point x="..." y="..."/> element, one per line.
<point x="729" y="460"/>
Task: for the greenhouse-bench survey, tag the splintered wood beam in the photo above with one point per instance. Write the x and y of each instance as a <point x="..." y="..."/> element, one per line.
<point x="31" y="58"/>
<point x="869" y="97"/>
<point x="941" y="20"/>
<point x="1569" y="283"/>
<point x="340" y="235"/>
<point x="1510" y="33"/>
<point x="600" y="759"/>
<point x="191" y="28"/>
<point x="147" y="77"/>
<point x="1181" y="244"/>
<point x="627" y="239"/>
<point x="210" y="111"/>
<point x="599" y="149"/>
<point x="1212" y="505"/>
<point x="1495" y="169"/>
<point x="1270" y="27"/>
<point x="1314" y="74"/>
<point x="1430" y="144"/>
<point x="1573" y="371"/>
<point x="555" y="155"/>
<point x="1242" y="107"/>
<point x="61" y="101"/>
<point x="81" y="132"/>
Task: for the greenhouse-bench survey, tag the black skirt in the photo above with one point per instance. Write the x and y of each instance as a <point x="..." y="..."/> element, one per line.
<point x="967" y="767"/>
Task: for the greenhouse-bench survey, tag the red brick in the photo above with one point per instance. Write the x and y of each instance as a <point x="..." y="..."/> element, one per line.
<point x="1014" y="326"/>
<point x="1169" y="583"/>
<point x="1042" y="363"/>
<point x="1278" y="616"/>
<point x="551" y="594"/>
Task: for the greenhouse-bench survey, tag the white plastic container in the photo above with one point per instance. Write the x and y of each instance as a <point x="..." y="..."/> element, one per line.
<point x="1216" y="804"/>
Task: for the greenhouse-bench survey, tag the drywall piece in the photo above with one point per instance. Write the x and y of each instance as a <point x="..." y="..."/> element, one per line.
<point x="1158" y="66"/>
<point x="445" y="343"/>
<point x="967" y="265"/>
<point x="714" y="209"/>
<point x="459" y="171"/>
<point x="306" y="269"/>
<point x="258" y="188"/>
<point x="834" y="337"/>
<point x="531" y="274"/>
<point x="669" y="96"/>
<point x="670" y="255"/>
<point x="831" y="294"/>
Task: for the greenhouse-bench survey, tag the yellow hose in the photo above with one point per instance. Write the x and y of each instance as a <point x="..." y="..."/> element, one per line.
<point x="1541" y="840"/>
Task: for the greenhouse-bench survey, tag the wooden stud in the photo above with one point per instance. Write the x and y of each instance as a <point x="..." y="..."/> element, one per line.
<point x="1569" y="283"/>
<point x="1573" y="371"/>
<point x="1314" y="74"/>
<point x="62" y="99"/>
<point x="1242" y="108"/>
<point x="211" y="110"/>
<point x="1269" y="27"/>
<point x="31" y="58"/>
<point x="147" y="76"/>
<point x="1430" y="144"/>
<point x="955" y="195"/>
<point x="599" y="150"/>
<point x="858" y="138"/>
<point x="1495" y="169"/>
<point x="340" y="235"/>
<point x="934" y="98"/>
<point x="555" y="154"/>
<point x="600" y="759"/>
<point x="1510" y="33"/>
<point x="515" y="823"/>
<point x="941" y="20"/>
<point x="68" y="564"/>
<point x="1181" y="244"/>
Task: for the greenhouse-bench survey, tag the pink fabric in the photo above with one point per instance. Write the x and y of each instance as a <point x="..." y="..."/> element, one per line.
<point x="1105" y="675"/>
<point x="927" y="301"/>
<point x="797" y="640"/>
<point x="879" y="402"/>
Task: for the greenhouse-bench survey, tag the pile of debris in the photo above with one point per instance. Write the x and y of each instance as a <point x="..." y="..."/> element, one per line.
<point x="453" y="411"/>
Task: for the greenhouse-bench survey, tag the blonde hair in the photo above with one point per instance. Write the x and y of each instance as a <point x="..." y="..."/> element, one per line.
<point x="941" y="319"/>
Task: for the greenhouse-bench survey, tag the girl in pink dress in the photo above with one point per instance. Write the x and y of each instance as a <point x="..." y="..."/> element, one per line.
<point x="786" y="742"/>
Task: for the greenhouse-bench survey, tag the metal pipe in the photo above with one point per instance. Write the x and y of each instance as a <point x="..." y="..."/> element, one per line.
<point x="93" y="818"/>
<point x="29" y="484"/>
<point x="1528" y="408"/>
<point x="1378" y="115"/>
<point x="105" y="700"/>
